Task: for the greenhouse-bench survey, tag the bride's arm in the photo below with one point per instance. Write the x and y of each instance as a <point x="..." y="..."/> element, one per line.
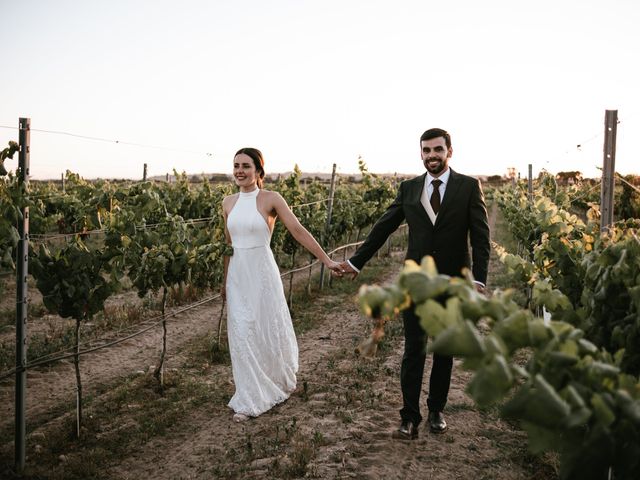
<point x="298" y="231"/>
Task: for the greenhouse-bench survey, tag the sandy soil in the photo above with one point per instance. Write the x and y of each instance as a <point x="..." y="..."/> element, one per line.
<point x="353" y="416"/>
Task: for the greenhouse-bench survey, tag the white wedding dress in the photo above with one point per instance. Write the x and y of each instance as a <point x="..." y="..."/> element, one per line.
<point x="262" y="343"/>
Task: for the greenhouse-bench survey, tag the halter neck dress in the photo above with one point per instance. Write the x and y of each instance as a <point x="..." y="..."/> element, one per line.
<point x="262" y="342"/>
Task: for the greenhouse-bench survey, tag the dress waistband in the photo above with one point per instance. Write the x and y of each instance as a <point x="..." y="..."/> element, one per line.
<point x="248" y="248"/>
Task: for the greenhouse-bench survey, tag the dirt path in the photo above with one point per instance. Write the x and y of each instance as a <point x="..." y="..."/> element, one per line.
<point x="339" y="428"/>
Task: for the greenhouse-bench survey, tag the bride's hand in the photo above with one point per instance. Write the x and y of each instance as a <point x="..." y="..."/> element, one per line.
<point x="335" y="267"/>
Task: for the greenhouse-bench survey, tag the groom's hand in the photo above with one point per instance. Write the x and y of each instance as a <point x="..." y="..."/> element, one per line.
<point x="347" y="270"/>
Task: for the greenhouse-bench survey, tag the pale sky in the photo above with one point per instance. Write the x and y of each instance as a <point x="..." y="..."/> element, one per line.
<point x="317" y="82"/>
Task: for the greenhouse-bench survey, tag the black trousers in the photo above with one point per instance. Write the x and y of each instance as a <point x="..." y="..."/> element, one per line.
<point x="412" y="371"/>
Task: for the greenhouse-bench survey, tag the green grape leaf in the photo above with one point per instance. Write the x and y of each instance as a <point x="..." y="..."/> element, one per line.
<point x="491" y="381"/>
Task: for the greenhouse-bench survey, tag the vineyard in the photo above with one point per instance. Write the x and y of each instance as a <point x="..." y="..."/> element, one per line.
<point x="125" y="317"/>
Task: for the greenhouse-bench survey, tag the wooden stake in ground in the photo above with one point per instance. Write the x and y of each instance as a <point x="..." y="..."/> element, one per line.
<point x="224" y="301"/>
<point x="325" y="242"/>
<point x="159" y="371"/>
<point x="76" y="366"/>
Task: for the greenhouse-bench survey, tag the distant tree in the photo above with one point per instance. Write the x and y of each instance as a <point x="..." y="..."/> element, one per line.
<point x="569" y="178"/>
<point x="219" y="178"/>
<point x="633" y="179"/>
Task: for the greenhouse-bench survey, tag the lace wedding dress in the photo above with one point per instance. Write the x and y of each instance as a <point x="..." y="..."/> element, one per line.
<point x="262" y="343"/>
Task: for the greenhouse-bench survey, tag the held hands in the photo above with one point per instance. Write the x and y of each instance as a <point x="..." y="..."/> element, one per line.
<point x="335" y="268"/>
<point x="344" y="269"/>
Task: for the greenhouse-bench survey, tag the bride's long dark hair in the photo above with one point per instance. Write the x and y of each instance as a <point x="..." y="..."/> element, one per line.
<point x="258" y="161"/>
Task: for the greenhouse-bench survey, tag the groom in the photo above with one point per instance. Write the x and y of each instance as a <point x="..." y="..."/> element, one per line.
<point x="446" y="213"/>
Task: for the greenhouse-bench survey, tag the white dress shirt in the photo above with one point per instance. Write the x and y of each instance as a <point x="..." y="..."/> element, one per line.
<point x="428" y="190"/>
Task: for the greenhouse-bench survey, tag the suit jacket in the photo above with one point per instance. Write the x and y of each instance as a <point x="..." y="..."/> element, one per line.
<point x="461" y="223"/>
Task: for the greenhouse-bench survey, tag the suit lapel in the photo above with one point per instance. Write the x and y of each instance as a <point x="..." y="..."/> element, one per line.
<point x="416" y="193"/>
<point x="415" y="197"/>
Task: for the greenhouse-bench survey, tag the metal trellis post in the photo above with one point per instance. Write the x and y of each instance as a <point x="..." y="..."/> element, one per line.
<point x="608" y="168"/>
<point x="22" y="256"/>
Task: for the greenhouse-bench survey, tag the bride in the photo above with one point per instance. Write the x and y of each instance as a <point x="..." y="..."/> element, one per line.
<point x="262" y="343"/>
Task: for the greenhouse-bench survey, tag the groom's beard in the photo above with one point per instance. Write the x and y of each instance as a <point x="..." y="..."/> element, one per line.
<point x="437" y="169"/>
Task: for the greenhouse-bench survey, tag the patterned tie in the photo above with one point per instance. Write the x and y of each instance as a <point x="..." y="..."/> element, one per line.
<point x="435" y="195"/>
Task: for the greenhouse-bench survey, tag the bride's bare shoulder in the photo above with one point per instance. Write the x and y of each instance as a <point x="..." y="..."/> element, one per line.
<point x="229" y="201"/>
<point x="230" y="198"/>
<point x="271" y="196"/>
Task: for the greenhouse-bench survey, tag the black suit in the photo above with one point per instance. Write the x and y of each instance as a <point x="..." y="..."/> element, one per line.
<point x="461" y="222"/>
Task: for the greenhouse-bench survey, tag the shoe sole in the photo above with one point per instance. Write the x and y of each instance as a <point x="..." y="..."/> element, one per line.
<point x="436" y="431"/>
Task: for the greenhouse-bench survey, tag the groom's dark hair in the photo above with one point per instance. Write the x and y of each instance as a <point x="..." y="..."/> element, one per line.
<point x="435" y="133"/>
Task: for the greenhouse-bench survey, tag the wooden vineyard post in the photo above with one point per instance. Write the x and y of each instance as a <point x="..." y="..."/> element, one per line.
<point x="530" y="198"/>
<point x="332" y="189"/>
<point x="293" y="266"/>
<point x="309" y="276"/>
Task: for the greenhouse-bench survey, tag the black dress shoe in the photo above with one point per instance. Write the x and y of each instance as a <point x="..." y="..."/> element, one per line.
<point x="407" y="431"/>
<point x="436" y="422"/>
